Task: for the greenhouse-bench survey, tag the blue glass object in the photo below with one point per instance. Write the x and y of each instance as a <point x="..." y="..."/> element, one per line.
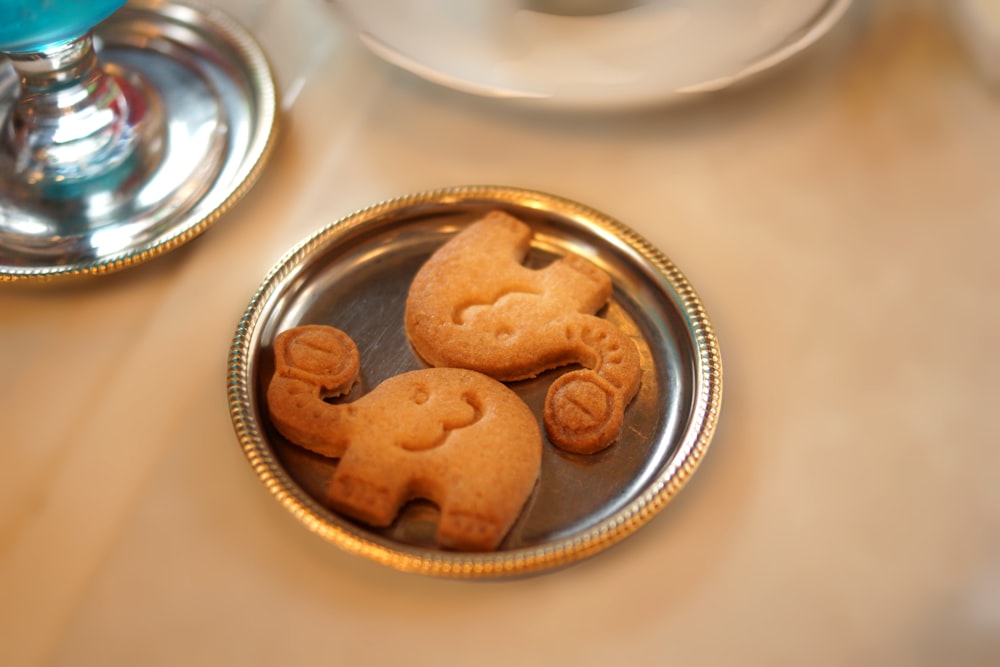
<point x="29" y="25"/>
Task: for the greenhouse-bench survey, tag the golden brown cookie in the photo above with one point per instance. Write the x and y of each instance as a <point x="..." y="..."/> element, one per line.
<point x="455" y="437"/>
<point x="475" y="305"/>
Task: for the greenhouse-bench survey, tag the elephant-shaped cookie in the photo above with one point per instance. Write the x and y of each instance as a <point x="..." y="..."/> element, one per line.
<point x="452" y="436"/>
<point x="475" y="305"/>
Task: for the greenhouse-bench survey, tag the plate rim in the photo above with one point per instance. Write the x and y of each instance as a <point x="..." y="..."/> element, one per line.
<point x="692" y="445"/>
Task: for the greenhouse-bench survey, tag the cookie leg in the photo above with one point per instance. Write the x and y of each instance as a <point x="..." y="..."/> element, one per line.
<point x="467" y="531"/>
<point x="372" y="498"/>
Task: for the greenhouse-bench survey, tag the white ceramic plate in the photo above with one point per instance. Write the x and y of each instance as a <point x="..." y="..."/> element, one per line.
<point x="650" y="51"/>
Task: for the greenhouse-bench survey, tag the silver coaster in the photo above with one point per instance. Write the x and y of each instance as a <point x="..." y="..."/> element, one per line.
<point x="217" y="92"/>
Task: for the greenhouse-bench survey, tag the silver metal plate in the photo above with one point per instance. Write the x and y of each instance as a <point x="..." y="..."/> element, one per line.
<point x="218" y="93"/>
<point x="354" y="274"/>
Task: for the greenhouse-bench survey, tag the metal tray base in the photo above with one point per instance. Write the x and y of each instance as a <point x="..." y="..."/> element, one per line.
<point x="217" y="92"/>
<point x="355" y="274"/>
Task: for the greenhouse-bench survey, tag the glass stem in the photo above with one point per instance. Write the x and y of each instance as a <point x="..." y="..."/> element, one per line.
<point x="73" y="120"/>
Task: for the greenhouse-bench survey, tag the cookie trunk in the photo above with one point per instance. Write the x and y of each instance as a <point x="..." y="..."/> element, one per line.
<point x="300" y="414"/>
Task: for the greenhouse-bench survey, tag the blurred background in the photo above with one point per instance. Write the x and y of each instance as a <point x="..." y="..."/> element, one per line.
<point x="837" y="213"/>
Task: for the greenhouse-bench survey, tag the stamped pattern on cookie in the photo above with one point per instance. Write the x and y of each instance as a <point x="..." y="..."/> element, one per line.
<point x="474" y="304"/>
<point x="455" y="437"/>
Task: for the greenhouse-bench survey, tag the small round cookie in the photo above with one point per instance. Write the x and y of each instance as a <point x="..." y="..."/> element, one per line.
<point x="455" y="437"/>
<point x="475" y="305"/>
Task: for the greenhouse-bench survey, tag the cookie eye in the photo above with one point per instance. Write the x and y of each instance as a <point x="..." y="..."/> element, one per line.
<point x="420" y="395"/>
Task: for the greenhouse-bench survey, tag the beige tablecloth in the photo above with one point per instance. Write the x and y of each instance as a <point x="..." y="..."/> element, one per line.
<point x="840" y="218"/>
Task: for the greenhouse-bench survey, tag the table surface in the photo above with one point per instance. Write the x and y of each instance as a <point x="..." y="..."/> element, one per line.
<point x="839" y="218"/>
